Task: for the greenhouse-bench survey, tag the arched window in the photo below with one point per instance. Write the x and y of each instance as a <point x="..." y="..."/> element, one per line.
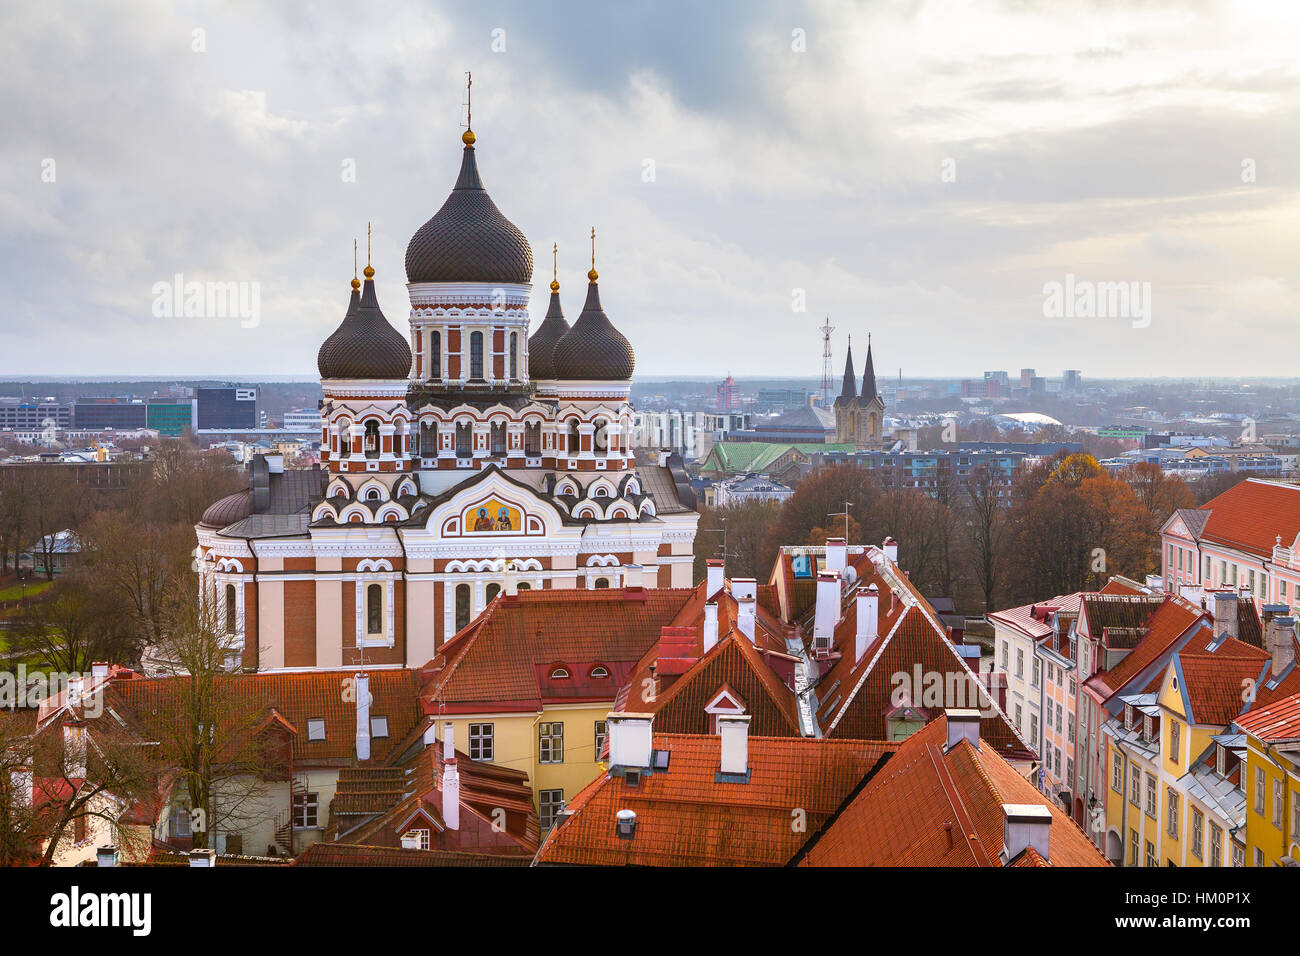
<point x="230" y="609"/>
<point x="464" y="440"/>
<point x="599" y="672"/>
<point x="355" y="519"/>
<point x="525" y="586"/>
<point x="374" y="609"/>
<point x="499" y="439"/>
<point x="533" y="439"/>
<point x="429" y="440"/>
<point x="514" y="355"/>
<point x="476" y="356"/>
<point x="462" y="606"/>
<point x="371" y="443"/>
<point x="602" y="582"/>
<point x="372" y="494"/>
<point x="344" y="448"/>
<point x="492" y="591"/>
<point x="559" y="673"/>
<point x="602" y="435"/>
<point x="574" y="437"/>
<point x="435" y="355"/>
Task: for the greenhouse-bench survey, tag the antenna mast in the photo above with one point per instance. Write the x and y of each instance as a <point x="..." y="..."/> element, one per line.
<point x="827" y="371"/>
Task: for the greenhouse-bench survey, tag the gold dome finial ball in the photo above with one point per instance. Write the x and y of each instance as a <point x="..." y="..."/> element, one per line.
<point x="356" y="284"/>
<point x="555" y="286"/>
<point x="593" y="275"/>
<point x="467" y="137"/>
<point x="368" y="272"/>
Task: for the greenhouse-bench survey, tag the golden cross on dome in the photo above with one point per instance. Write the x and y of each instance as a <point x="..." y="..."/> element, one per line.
<point x="370" y="272"/>
<point x="593" y="275"/>
<point x="555" y="267"/>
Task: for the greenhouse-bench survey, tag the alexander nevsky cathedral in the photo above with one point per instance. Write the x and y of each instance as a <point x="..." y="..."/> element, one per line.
<point x="468" y="459"/>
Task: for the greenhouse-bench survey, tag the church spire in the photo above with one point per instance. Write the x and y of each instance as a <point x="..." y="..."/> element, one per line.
<point x="850" y="390"/>
<point x="869" y="376"/>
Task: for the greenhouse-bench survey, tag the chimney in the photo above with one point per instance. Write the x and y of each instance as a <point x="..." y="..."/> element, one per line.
<point x="710" y="626"/>
<point x="1224" y="610"/>
<point x="963" y="724"/>
<point x="716" y="570"/>
<point x="431" y="733"/>
<point x="733" y="729"/>
<point x="891" y="549"/>
<point x="410" y="841"/>
<point x="742" y="588"/>
<point x="106" y="856"/>
<point x="363" y="715"/>
<point x="629" y="739"/>
<point x="512" y="580"/>
<point x="99" y="670"/>
<point x="451" y="794"/>
<point x="76" y="685"/>
<point x="746" y="610"/>
<point x="625" y="824"/>
<point x="828" y="611"/>
<point x="1025" y="825"/>
<point x="206" y="857"/>
<point x="74" y="749"/>
<point x="448" y="741"/>
<point x="1279" y="641"/>
<point x="633" y="576"/>
<point x="837" y="554"/>
<point x="868" y="620"/>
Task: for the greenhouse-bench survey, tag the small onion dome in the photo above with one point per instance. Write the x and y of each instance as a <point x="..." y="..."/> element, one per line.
<point x="365" y="345"/>
<point x="593" y="348"/>
<point x="468" y="239"/>
<point x="226" y="511"/>
<point x="541" y="346"/>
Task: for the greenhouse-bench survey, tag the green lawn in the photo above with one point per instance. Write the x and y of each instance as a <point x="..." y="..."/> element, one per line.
<point x="14" y="591"/>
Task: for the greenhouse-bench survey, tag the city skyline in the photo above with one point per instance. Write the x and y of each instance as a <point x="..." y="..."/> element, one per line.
<point x="727" y="174"/>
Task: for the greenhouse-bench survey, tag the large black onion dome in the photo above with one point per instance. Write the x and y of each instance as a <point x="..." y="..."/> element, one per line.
<point x="593" y="348"/>
<point x="541" y="345"/>
<point x="365" y="345"/>
<point x="468" y="239"/>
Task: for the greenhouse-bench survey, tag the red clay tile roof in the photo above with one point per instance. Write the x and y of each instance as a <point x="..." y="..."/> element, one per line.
<point x="1169" y="621"/>
<point x="347" y="854"/>
<point x="686" y="817"/>
<point x="928" y="808"/>
<point x="1032" y="620"/>
<point x="1275" y="722"/>
<point x="1250" y="515"/>
<point x="1214" y="682"/>
<point x="492" y="663"/>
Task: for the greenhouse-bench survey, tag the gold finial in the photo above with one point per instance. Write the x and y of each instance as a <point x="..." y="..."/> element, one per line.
<point x="369" y="273"/>
<point x="468" y="137"/>
<point x="356" y="283"/>
<point x="593" y="275"/>
<point x="555" y="267"/>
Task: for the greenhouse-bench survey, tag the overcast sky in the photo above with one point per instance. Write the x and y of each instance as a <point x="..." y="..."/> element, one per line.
<point x="920" y="170"/>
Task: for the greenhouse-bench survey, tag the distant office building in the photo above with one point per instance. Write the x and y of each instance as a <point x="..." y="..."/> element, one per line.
<point x="94" y="415"/>
<point x="659" y="430"/>
<point x="728" y="398"/>
<point x="746" y="488"/>
<point x="1072" y="380"/>
<point x="930" y="472"/>
<point x="1026" y="377"/>
<point x="17" y="414"/>
<point x="169" y="419"/>
<point x="779" y="399"/>
<point x="303" y="421"/>
<point x="1003" y="381"/>
<point x="227" y="408"/>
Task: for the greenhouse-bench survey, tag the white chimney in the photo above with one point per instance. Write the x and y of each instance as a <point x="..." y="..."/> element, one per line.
<point x="828" y="610"/>
<point x="630" y="739"/>
<point x="363" y="716"/>
<point x="410" y="841"/>
<point x="633" y="576"/>
<point x="76" y="685"/>
<point x="963" y="724"/>
<point x="106" y="856"/>
<point x="837" y="554"/>
<point x="716" y="571"/>
<point x="746" y="611"/>
<point x="710" y="626"/>
<point x="204" y="858"/>
<point x="448" y="741"/>
<point x="99" y="670"/>
<point x="431" y="733"/>
<point x="733" y="729"/>
<point x="868" y="620"/>
<point x="742" y="588"/>
<point x="625" y="824"/>
<point x="512" y="579"/>
<point x="890" y="548"/>
<point x="451" y="794"/>
<point x="1025" y="825"/>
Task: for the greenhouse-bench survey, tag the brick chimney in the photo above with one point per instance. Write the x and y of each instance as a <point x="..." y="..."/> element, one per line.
<point x="1025" y="825"/>
<point x="1224" y="610"/>
<point x="828" y="611"/>
<point x="630" y="739"/>
<point x="746" y="612"/>
<point x="204" y="858"/>
<point x="963" y="724"/>
<point x="868" y="620"/>
<point x="710" y="626"/>
<point x="363" y="715"/>
<point x="1279" y="641"/>
<point x="451" y="794"/>
<point x="733" y="729"/>
<point x="890" y="547"/>
<point x="837" y="554"/>
<point x="716" y="570"/>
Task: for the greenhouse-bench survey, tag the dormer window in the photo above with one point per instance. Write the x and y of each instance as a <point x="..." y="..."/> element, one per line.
<point x="1128" y="716"/>
<point x="1221" y="760"/>
<point x="1147" y="729"/>
<point x="379" y="727"/>
<point x="316" y="728"/>
<point x="599" y="673"/>
<point x="559" y="673"/>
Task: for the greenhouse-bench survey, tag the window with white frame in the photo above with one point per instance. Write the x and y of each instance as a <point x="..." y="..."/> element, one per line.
<point x="549" y="803"/>
<point x="550" y="742"/>
<point x="1152" y="810"/>
<point x="419" y="837"/>
<point x="1259" y="790"/>
<point x="1277" y="804"/>
<point x="602" y="730"/>
<point x="316" y="728"/>
<point x="305" y="811"/>
<point x="1216" y="845"/>
<point x="1198" y="833"/>
<point x="1116" y="773"/>
<point x="481" y="742"/>
<point x="1172" y="820"/>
